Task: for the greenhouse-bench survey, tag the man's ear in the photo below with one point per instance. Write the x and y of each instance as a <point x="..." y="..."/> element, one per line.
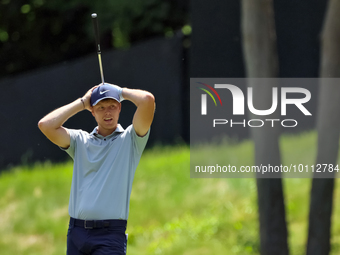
<point x="92" y="111"/>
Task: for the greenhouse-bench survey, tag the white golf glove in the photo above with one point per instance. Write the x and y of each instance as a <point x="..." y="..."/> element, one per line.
<point x="120" y="91"/>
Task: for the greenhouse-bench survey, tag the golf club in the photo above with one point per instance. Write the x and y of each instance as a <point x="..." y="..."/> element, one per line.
<point x="96" y="34"/>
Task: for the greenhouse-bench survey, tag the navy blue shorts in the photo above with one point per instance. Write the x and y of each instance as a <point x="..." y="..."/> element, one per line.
<point x="109" y="240"/>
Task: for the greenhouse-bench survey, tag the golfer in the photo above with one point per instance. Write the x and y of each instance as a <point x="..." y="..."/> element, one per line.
<point x="105" y="162"/>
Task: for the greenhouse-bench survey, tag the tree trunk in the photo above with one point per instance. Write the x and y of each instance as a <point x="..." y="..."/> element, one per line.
<point x="261" y="61"/>
<point x="328" y="128"/>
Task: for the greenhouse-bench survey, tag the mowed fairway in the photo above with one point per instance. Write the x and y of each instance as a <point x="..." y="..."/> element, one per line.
<point x="169" y="212"/>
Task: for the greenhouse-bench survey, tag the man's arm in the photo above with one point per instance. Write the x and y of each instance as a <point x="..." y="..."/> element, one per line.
<point x="145" y="103"/>
<point x="51" y="124"/>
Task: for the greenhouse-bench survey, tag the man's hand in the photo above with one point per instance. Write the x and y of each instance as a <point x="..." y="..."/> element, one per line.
<point x="87" y="99"/>
<point x="120" y="91"/>
<point x="51" y="124"/>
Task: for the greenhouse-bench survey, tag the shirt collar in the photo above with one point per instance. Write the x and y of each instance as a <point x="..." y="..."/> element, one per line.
<point x="119" y="129"/>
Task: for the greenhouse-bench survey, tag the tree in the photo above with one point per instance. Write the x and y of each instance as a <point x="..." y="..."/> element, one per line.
<point x="36" y="33"/>
<point x="328" y="128"/>
<point x="261" y="60"/>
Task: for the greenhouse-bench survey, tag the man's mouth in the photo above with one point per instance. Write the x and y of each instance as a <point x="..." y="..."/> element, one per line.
<point x="107" y="119"/>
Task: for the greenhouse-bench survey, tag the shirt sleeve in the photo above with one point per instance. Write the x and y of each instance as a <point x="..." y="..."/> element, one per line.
<point x="73" y="137"/>
<point x="139" y="142"/>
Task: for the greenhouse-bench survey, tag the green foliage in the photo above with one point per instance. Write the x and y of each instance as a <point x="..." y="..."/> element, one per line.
<point x="169" y="212"/>
<point x="36" y="33"/>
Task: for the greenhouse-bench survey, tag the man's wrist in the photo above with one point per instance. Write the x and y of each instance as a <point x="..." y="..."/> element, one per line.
<point x="120" y="92"/>
<point x="82" y="101"/>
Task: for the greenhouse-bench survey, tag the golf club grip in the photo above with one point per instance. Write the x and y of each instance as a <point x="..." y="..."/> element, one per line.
<point x="96" y="33"/>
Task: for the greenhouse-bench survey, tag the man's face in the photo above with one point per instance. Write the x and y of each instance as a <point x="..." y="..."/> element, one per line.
<point x="106" y="113"/>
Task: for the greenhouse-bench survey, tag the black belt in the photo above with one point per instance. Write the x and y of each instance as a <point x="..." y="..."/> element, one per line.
<point x="90" y="224"/>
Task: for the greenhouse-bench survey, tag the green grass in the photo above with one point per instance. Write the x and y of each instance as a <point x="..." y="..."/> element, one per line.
<point x="169" y="212"/>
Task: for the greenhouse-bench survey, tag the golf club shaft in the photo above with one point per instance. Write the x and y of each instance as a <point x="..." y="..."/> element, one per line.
<point x="101" y="67"/>
<point x="96" y="34"/>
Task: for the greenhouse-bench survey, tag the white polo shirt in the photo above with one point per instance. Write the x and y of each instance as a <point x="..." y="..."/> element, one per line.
<point x="103" y="172"/>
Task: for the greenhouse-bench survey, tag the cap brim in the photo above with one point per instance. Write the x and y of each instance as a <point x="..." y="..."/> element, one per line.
<point x="103" y="99"/>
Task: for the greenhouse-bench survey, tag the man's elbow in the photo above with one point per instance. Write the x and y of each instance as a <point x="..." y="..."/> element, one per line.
<point x="150" y="98"/>
<point x="43" y="125"/>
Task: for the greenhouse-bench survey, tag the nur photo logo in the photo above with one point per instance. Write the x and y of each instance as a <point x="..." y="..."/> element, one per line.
<point x="204" y="97"/>
<point x="239" y="101"/>
<point x="224" y="112"/>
